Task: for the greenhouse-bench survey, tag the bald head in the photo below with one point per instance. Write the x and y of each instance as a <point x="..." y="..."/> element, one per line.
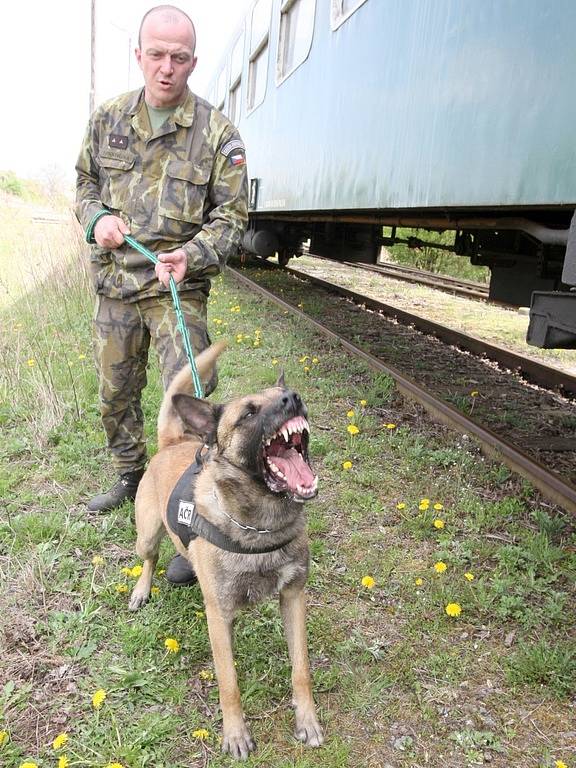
<point x="165" y="54"/>
<point x="168" y="15"/>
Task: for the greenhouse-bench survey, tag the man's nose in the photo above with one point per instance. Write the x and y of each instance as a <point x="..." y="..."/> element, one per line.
<point x="167" y="63"/>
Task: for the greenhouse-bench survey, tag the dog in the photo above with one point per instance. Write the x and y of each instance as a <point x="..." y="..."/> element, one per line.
<point x="242" y="525"/>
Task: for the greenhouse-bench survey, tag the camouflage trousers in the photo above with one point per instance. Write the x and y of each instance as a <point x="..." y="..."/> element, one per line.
<point x="122" y="333"/>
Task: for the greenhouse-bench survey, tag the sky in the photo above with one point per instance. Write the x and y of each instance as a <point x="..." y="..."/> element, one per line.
<point x="45" y="65"/>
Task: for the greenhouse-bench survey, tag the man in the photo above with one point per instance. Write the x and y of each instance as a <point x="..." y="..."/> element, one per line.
<point x="162" y="165"/>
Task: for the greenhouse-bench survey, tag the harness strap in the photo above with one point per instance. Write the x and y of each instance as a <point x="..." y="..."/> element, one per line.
<point x="188" y="524"/>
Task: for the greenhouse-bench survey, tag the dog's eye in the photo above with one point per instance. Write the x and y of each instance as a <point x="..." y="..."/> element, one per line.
<point x="250" y="411"/>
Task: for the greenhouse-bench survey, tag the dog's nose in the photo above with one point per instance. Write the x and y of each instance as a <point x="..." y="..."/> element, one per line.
<point x="291" y="399"/>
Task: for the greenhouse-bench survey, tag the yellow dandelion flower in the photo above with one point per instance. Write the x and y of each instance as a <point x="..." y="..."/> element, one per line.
<point x="206" y="674"/>
<point x="200" y="733"/>
<point x="63" y="761"/>
<point x="560" y="764"/>
<point x="114" y="765"/>
<point x="363" y="403"/>
<point x="97" y="560"/>
<point x="423" y="507"/>
<point x="274" y="361"/>
<point x="82" y="357"/>
<point x="155" y="590"/>
<point x="28" y="765"/>
<point x="346" y="465"/>
<point x="126" y="571"/>
<point x="121" y="588"/>
<point x="306" y="369"/>
<point x="469" y="576"/>
<point x="172" y="645"/>
<point x="59" y="741"/>
<point x="438" y="523"/>
<point x="31" y="362"/>
<point x="4" y="737"/>
<point x="438" y="506"/>
<point x="368" y="582"/>
<point x="136" y="571"/>
<point x="352" y="429"/>
<point x="199" y="614"/>
<point x="440" y="567"/>
<point x="303" y="359"/>
<point x="418" y="582"/>
<point x="474" y="393"/>
<point x="425" y="501"/>
<point x="390" y="426"/>
<point x="315" y="360"/>
<point x="350" y="414"/>
<point x="401" y="505"/>
<point x="98" y="698"/>
<point x="453" y="609"/>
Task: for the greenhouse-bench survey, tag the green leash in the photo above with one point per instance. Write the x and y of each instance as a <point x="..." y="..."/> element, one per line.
<point x="173" y="289"/>
<point x="178" y="309"/>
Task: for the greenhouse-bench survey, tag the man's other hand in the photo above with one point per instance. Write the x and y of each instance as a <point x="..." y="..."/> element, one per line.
<point x="173" y="263"/>
<point x="109" y="231"/>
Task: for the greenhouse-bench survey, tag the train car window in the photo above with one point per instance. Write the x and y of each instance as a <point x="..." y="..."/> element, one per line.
<point x="258" y="62"/>
<point x="221" y="90"/>
<point x="340" y="10"/>
<point x="296" y="32"/>
<point x="235" y="87"/>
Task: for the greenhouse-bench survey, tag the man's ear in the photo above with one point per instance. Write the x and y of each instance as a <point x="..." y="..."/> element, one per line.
<point x="280" y="381"/>
<point x="199" y="416"/>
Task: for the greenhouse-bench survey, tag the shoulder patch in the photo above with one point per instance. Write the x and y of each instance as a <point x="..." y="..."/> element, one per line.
<point x="230" y="146"/>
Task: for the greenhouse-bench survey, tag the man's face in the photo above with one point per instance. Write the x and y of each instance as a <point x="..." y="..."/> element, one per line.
<point x="166" y="58"/>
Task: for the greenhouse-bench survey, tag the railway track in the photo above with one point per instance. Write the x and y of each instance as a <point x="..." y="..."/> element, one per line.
<point x="421" y="277"/>
<point x="530" y="430"/>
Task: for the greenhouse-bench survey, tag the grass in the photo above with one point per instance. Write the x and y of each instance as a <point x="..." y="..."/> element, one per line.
<point x="397" y="681"/>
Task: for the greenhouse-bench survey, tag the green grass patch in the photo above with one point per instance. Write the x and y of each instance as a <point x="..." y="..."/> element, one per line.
<point x="397" y="680"/>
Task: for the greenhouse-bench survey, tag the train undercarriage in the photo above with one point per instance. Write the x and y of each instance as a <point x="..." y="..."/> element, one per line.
<point x="531" y="255"/>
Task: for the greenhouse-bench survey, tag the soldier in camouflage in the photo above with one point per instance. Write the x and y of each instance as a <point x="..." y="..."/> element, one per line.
<point x="166" y="167"/>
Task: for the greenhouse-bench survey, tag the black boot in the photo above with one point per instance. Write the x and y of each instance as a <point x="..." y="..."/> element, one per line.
<point x="124" y="489"/>
<point x="180" y="573"/>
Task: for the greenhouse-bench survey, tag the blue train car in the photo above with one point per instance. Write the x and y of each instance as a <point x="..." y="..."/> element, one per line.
<point x="361" y="116"/>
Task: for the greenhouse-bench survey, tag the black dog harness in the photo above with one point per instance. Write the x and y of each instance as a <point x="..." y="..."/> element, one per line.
<point x="188" y="524"/>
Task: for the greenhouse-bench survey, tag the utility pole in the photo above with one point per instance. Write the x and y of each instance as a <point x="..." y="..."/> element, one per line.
<point x="92" y="55"/>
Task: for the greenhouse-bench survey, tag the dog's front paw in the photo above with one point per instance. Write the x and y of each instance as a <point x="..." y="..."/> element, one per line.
<point x="138" y="598"/>
<point x="238" y="742"/>
<point x="308" y="730"/>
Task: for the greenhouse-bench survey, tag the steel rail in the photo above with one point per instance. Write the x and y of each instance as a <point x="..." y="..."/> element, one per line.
<point x="456" y="287"/>
<point x="551" y="486"/>
<point x="537" y="373"/>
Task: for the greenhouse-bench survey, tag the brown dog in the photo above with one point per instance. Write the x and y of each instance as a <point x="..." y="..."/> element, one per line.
<point x="245" y="516"/>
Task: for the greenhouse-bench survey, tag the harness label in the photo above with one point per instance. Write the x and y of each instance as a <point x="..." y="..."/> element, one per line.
<point x="185" y="510"/>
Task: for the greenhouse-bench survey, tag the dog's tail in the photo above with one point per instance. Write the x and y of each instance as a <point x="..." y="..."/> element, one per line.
<point x="170" y="426"/>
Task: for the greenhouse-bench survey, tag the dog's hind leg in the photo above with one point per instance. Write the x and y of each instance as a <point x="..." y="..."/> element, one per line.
<point x="293" y="609"/>
<point x="150" y="530"/>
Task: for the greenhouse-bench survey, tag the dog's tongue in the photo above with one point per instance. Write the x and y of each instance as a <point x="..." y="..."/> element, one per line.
<point x="294" y="468"/>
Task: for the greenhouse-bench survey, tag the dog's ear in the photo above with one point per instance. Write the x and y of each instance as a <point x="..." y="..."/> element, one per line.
<point x="199" y="416"/>
<point x="280" y="382"/>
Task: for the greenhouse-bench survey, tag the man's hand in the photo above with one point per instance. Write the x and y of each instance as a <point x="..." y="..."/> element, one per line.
<point x="109" y="231"/>
<point x="173" y="263"/>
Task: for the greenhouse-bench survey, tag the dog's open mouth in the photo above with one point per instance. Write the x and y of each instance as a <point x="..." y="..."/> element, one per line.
<point x="286" y="464"/>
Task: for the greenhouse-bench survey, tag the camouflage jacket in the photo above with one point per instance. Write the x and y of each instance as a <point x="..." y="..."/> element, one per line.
<point x="184" y="186"/>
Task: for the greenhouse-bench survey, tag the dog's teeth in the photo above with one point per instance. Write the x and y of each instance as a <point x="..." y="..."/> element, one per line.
<point x="285" y="434"/>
